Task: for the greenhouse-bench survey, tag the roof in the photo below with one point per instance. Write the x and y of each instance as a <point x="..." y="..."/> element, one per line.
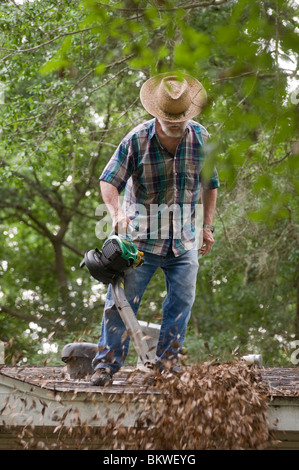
<point x="51" y="394"/>
<point x="45" y="397"/>
<point x="281" y="381"/>
<point x="55" y="378"/>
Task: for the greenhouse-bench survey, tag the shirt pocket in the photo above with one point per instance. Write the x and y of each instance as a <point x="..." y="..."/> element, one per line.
<point x="191" y="177"/>
<point x="191" y="183"/>
<point x="151" y="177"/>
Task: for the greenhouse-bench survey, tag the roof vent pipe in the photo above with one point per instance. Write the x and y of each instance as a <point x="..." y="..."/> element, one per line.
<point x="253" y="359"/>
<point x="2" y="355"/>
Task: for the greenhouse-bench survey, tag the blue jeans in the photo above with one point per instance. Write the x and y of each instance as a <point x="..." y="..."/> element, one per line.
<point x="180" y="277"/>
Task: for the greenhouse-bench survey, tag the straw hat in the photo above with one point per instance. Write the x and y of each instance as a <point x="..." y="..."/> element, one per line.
<point x="173" y="97"/>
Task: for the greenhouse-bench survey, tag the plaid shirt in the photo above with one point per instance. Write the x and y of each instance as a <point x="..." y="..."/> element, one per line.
<point x="153" y="177"/>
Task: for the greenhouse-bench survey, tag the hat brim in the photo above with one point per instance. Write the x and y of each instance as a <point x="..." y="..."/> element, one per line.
<point x="148" y="97"/>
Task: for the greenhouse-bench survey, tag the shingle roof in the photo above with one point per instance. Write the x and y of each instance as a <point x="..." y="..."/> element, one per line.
<point x="281" y="381"/>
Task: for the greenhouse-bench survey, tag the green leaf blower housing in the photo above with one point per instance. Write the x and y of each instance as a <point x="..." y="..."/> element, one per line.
<point x="116" y="257"/>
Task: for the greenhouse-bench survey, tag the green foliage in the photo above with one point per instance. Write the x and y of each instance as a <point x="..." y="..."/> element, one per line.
<point x="72" y="74"/>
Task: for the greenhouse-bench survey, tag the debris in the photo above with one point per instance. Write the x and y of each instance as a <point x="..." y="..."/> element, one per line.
<point x="207" y="406"/>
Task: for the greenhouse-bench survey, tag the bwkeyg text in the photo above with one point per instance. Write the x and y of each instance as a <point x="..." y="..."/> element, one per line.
<point x="150" y="459"/>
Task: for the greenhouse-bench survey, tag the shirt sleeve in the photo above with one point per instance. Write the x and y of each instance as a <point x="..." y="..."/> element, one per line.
<point x="120" y="167"/>
<point x="213" y="182"/>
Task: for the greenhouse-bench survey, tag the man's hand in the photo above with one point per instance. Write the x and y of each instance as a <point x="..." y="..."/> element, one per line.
<point x="120" y="223"/>
<point x="111" y="199"/>
<point x="208" y="241"/>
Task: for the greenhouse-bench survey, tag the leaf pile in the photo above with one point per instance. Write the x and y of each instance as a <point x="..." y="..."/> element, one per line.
<point x="207" y="406"/>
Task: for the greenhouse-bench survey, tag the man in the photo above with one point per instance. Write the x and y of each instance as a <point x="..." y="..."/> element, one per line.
<point x="159" y="163"/>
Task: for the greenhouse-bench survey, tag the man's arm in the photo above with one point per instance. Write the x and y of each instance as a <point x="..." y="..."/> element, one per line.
<point x="111" y="199"/>
<point x="209" y="197"/>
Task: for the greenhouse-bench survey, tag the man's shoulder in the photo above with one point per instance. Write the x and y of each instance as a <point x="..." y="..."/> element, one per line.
<point x="200" y="130"/>
<point x="140" y="131"/>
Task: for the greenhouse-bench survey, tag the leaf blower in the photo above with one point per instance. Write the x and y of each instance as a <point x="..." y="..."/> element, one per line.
<point x="109" y="266"/>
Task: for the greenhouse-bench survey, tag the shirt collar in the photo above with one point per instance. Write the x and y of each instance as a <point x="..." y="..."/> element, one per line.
<point x="152" y="128"/>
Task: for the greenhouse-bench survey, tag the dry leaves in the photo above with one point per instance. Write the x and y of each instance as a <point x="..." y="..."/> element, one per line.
<point x="207" y="406"/>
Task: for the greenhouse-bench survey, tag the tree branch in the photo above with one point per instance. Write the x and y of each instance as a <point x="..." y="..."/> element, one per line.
<point x="184" y="6"/>
<point x="245" y="74"/>
<point x="45" y="194"/>
<point x="30" y="49"/>
<point x="18" y="314"/>
<point x="73" y="249"/>
<point x="192" y="6"/>
<point x="43" y="229"/>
